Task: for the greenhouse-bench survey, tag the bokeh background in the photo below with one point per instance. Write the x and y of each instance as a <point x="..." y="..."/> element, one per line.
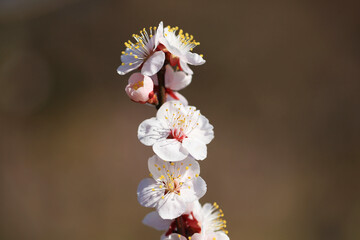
<point x="281" y="86"/>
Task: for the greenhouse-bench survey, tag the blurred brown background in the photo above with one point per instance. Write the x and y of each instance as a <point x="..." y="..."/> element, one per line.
<point x="281" y="86"/>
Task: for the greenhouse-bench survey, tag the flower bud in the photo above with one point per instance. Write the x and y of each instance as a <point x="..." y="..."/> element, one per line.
<point x="139" y="87"/>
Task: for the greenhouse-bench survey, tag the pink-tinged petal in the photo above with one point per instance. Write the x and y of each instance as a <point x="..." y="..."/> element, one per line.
<point x="179" y="81"/>
<point x="195" y="147"/>
<point x="176" y="80"/>
<point x="148" y="193"/>
<point x="151" y="131"/>
<point x="173" y="236"/>
<point x="170" y="150"/>
<point x="185" y="67"/>
<point x="123" y="69"/>
<point x="139" y="87"/>
<point x="204" y="131"/>
<point x="194" y="59"/>
<point x="153" y="64"/>
<point x="171" y="206"/>
<point x="179" y="97"/>
<point x="154" y="220"/>
<point x="169" y="75"/>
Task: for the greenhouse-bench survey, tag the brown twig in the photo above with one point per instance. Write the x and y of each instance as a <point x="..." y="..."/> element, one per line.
<point x="161" y="91"/>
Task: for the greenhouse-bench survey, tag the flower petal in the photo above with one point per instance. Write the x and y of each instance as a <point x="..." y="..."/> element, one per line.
<point x="189" y="167"/>
<point x="196" y="208"/>
<point x="123" y="69"/>
<point x="154" y="220"/>
<point x="150" y="131"/>
<point x="153" y="64"/>
<point x="173" y="236"/>
<point x="167" y="109"/>
<point x="193" y="190"/>
<point x="198" y="236"/>
<point x="176" y="80"/>
<point x="185" y="67"/>
<point x="194" y="59"/>
<point x="195" y="147"/>
<point x="148" y="194"/>
<point x="129" y="58"/>
<point x="172" y="206"/>
<point x="157" y="167"/>
<point x="155" y="79"/>
<point x="159" y="34"/>
<point x="204" y="131"/>
<point x="170" y="150"/>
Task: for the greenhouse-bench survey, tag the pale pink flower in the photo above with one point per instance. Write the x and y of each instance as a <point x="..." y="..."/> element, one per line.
<point x="139" y="87"/>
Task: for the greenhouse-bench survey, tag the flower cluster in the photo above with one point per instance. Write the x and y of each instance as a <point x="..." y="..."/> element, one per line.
<point x="155" y="50"/>
<point x="178" y="134"/>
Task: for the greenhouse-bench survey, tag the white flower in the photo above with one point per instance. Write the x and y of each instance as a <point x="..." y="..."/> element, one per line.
<point x="180" y="46"/>
<point x="139" y="87"/>
<point x="172" y="186"/>
<point x="200" y="223"/>
<point x="176" y="132"/>
<point x="143" y="53"/>
<point x="174" y="81"/>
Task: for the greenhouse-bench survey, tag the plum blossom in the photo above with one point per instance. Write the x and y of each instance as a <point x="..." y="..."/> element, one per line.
<point x="180" y="45"/>
<point x="139" y="87"/>
<point x="143" y="52"/>
<point x="176" y="132"/>
<point x="200" y="223"/>
<point x="174" y="81"/>
<point x="172" y="185"/>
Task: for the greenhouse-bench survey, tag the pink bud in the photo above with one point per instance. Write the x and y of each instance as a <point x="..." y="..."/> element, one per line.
<point x="139" y="87"/>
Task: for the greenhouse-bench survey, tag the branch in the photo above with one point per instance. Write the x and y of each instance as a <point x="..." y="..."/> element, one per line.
<point x="161" y="92"/>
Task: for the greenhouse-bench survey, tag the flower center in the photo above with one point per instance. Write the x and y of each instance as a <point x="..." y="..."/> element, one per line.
<point x="191" y="225"/>
<point x="181" y="123"/>
<point x="177" y="134"/>
<point x="137" y="85"/>
<point x="173" y="186"/>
